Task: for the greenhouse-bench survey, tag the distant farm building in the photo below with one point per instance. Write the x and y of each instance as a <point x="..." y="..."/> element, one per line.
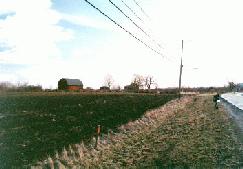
<point x="70" y="84"/>
<point x="131" y="88"/>
<point x="104" y="88"/>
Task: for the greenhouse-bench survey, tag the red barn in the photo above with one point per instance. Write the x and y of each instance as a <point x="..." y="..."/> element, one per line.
<point x="70" y="84"/>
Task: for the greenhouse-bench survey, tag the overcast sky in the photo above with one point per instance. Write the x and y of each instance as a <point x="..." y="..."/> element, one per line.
<point x="42" y="41"/>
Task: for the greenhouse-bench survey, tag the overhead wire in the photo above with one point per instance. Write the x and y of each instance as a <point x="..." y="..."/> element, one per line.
<point x="141" y="9"/>
<point x="128" y="17"/>
<point x="131" y="34"/>
<point x="134" y="13"/>
<point x="119" y="9"/>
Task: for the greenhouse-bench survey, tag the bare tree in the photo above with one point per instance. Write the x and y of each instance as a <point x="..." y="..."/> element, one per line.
<point x="108" y="81"/>
<point x="138" y="80"/>
<point x="231" y="86"/>
<point x="149" y="81"/>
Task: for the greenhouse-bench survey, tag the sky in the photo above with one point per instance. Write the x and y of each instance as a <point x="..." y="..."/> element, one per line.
<point x="42" y="41"/>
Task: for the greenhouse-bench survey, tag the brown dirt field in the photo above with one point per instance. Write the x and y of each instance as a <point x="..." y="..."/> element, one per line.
<point x="186" y="133"/>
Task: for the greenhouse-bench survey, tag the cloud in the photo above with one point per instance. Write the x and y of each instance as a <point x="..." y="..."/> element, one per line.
<point x="32" y="33"/>
<point x="83" y="20"/>
<point x="5" y="14"/>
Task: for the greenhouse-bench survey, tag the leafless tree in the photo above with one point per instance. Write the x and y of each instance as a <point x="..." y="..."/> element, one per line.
<point x="138" y="80"/>
<point x="149" y="81"/>
<point x="231" y="86"/>
<point x="108" y="81"/>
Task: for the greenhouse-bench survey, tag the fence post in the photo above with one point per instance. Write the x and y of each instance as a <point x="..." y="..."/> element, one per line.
<point x="97" y="135"/>
<point x="109" y="136"/>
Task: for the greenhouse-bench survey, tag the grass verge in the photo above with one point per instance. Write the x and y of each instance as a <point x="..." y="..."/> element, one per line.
<point x="186" y="133"/>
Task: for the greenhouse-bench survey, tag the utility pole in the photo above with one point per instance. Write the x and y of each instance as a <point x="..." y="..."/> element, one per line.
<point x="181" y="66"/>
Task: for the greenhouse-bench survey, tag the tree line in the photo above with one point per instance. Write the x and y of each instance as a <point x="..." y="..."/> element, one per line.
<point x="19" y="87"/>
<point x="139" y="83"/>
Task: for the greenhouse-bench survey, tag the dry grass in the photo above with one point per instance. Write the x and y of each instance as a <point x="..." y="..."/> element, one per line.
<point x="186" y="133"/>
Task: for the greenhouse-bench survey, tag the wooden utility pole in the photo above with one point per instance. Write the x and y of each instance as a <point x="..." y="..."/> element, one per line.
<point x="181" y="66"/>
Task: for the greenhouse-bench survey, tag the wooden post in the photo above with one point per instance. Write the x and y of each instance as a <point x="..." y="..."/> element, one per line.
<point x="109" y="136"/>
<point x="181" y="66"/>
<point x="97" y="135"/>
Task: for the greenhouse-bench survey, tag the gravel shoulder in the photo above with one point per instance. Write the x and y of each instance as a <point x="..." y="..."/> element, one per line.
<point x="186" y="133"/>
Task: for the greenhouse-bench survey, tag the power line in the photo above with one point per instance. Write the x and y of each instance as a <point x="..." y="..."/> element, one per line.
<point x="134" y="23"/>
<point x="128" y="18"/>
<point x="141" y="8"/>
<point x="92" y="5"/>
<point x="132" y="11"/>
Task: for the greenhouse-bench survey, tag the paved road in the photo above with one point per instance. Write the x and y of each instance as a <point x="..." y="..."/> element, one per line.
<point x="236" y="113"/>
<point x="233" y="102"/>
<point x="235" y="99"/>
